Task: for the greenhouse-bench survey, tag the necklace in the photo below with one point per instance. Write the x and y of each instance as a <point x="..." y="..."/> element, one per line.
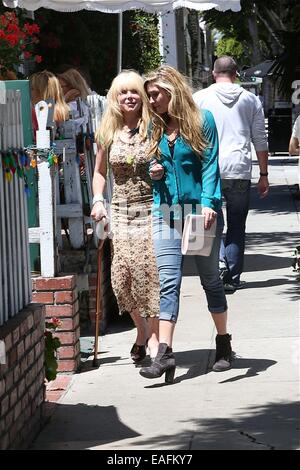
<point x="171" y="142"/>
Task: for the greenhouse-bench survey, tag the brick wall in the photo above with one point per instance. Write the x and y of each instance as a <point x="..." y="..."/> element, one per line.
<point x="61" y="298"/>
<point x="22" y="378"/>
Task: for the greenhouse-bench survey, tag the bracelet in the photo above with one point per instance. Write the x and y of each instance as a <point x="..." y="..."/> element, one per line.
<point x="98" y="198"/>
<point x="264" y="174"/>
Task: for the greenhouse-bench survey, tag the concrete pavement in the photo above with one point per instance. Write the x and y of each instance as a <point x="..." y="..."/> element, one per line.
<point x="253" y="406"/>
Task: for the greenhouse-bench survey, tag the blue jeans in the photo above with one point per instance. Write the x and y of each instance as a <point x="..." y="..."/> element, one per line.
<point x="236" y="194"/>
<point x="167" y="246"/>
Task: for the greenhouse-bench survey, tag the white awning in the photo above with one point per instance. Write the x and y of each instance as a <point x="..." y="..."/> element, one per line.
<point x="116" y="6"/>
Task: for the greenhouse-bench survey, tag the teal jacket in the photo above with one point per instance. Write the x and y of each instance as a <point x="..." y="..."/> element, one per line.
<point x="189" y="181"/>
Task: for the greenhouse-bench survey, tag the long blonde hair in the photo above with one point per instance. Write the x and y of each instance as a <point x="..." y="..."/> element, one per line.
<point x="181" y="107"/>
<point x="112" y="120"/>
<point x="46" y="86"/>
<point x="75" y="81"/>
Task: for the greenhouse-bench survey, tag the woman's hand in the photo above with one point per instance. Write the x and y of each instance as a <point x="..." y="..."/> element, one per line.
<point x="98" y="211"/>
<point x="210" y="217"/>
<point x="156" y="171"/>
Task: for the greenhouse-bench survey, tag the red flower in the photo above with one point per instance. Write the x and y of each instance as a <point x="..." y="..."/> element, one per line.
<point x="27" y="54"/>
<point x="38" y="59"/>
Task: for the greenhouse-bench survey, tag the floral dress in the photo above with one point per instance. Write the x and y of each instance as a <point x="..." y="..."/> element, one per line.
<point x="134" y="272"/>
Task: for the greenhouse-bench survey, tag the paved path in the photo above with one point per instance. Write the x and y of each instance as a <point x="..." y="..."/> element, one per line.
<point x="253" y="406"/>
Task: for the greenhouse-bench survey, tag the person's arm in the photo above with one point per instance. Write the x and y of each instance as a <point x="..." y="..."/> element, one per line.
<point x="294" y="146"/>
<point x="263" y="182"/>
<point x="260" y="142"/>
<point x="99" y="179"/>
<point x="211" y="182"/>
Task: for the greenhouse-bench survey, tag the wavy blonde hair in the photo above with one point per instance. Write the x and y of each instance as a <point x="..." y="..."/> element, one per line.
<point x="45" y="86"/>
<point x="181" y="107"/>
<point x="75" y="81"/>
<point x="112" y="119"/>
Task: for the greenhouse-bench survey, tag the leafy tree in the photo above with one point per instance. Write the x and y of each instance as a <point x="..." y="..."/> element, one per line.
<point x="268" y="29"/>
<point x="231" y="47"/>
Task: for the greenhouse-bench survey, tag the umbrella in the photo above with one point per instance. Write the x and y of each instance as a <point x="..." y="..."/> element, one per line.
<point x="167" y="23"/>
<point x="117" y="6"/>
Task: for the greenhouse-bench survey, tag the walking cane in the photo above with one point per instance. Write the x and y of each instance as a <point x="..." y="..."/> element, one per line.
<point x="98" y="298"/>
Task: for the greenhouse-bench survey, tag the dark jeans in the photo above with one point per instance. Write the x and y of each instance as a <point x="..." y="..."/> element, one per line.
<point x="236" y="194"/>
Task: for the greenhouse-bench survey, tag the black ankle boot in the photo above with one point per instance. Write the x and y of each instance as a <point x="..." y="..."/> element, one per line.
<point x="138" y="353"/>
<point x="223" y="353"/>
<point x="163" y="363"/>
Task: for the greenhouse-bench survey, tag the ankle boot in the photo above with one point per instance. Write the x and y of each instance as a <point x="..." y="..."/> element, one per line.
<point x="223" y="353"/>
<point x="138" y="352"/>
<point x="164" y="363"/>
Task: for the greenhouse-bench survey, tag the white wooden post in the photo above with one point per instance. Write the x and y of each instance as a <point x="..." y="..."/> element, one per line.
<point x="47" y="219"/>
<point x="167" y="38"/>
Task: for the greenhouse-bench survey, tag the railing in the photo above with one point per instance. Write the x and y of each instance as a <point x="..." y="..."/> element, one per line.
<point x="15" y="279"/>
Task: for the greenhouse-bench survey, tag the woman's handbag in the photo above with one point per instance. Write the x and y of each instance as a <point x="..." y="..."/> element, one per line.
<point x="195" y="239"/>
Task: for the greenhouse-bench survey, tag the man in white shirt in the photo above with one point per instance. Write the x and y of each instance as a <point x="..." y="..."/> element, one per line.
<point x="240" y="120"/>
<point x="295" y="138"/>
<point x="294" y="146"/>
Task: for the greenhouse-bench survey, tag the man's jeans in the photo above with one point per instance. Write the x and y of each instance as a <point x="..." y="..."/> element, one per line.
<point x="236" y="194"/>
<point x="167" y="245"/>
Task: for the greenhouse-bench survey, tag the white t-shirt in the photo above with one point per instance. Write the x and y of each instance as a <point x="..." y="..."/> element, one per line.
<point x="296" y="129"/>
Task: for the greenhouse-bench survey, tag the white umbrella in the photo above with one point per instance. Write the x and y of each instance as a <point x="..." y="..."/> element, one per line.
<point x="167" y="23"/>
<point x="116" y="6"/>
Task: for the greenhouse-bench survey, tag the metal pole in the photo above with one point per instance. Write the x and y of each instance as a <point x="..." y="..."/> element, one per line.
<point x="120" y="41"/>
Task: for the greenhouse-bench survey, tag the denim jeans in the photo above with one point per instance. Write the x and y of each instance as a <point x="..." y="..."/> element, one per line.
<point x="236" y="194"/>
<point x="167" y="246"/>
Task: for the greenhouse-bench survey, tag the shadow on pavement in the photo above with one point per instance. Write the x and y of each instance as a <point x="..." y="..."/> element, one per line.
<point x="81" y="426"/>
<point x="274" y="426"/>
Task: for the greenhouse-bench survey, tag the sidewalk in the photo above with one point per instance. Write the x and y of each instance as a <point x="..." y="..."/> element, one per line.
<point x="252" y="406"/>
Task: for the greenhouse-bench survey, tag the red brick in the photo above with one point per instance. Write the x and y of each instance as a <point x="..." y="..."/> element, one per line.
<point x="68" y="352"/>
<point x="30" y="322"/>
<point x="68" y="365"/>
<point x="68" y="324"/>
<point x="55" y="283"/>
<point x="9" y="418"/>
<point x="67" y="337"/>
<point x="2" y="387"/>
<point x="65" y="296"/>
<point x="9" y="380"/>
<point x="20" y="350"/>
<point x="8" y="342"/>
<point x="60" y="311"/>
<point x="43" y="297"/>
<point x="12" y="357"/>
<point x="4" y="405"/>
<point x="16" y="335"/>
<point x="13" y="397"/>
<point x="28" y="342"/>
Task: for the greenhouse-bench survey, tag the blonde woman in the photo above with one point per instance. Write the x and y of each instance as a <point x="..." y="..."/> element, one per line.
<point x="44" y="86"/>
<point x="185" y="143"/>
<point x="122" y="143"/>
<point x="74" y="86"/>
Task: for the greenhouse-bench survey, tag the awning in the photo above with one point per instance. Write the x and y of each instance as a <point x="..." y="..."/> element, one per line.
<point x="264" y="69"/>
<point x="115" y="6"/>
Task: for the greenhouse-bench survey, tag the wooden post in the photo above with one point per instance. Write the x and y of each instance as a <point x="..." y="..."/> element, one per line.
<point x="47" y="219"/>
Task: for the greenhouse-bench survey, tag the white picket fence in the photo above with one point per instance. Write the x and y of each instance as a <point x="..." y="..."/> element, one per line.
<point x="15" y="279"/>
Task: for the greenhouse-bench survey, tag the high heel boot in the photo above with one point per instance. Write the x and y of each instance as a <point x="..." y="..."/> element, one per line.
<point x="223" y="353"/>
<point x="164" y="363"/>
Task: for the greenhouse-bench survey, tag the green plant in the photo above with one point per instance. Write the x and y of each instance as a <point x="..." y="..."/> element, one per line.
<point x="51" y="346"/>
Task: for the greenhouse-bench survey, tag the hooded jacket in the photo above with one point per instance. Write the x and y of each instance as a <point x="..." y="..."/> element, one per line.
<point x="240" y="120"/>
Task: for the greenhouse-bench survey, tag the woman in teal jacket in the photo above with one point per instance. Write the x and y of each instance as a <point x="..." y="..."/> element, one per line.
<point x="184" y="168"/>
